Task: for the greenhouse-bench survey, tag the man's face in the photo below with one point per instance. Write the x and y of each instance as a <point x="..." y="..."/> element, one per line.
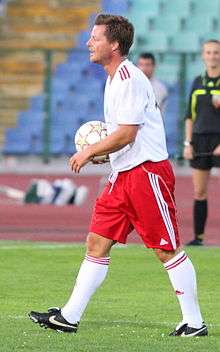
<point x="211" y="55"/>
<point x="100" y="48"/>
<point x="146" y="66"/>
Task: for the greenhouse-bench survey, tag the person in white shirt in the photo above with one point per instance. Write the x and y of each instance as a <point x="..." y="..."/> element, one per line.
<point x="139" y="194"/>
<point x="147" y="64"/>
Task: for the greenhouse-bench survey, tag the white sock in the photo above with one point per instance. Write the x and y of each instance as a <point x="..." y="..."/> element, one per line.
<point x="183" y="278"/>
<point x="91" y="275"/>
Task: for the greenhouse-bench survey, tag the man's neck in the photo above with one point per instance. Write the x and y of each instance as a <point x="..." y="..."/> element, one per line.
<point x="213" y="72"/>
<point x="112" y="66"/>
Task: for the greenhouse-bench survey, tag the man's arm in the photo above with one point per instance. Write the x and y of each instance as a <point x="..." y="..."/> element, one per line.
<point x="188" y="149"/>
<point x="125" y="134"/>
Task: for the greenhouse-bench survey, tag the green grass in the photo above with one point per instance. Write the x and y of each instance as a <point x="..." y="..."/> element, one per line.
<point x="134" y="310"/>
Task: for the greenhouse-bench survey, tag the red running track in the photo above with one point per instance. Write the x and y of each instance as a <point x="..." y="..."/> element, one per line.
<point x="70" y="223"/>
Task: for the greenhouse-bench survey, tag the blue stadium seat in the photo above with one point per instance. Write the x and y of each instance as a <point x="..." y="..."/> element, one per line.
<point x="17" y="141"/>
<point x="78" y="55"/>
<point x="82" y="39"/>
<point x="60" y="84"/>
<point x="91" y="20"/>
<point x="168" y="72"/>
<point x="115" y="6"/>
<point x="169" y="23"/>
<point x="199" y="24"/>
<point x="204" y="7"/>
<point x="210" y="35"/>
<point x="37" y="103"/>
<point x="179" y="7"/>
<point x="155" y="41"/>
<point x="34" y="125"/>
<point x="148" y="7"/>
<point x="185" y="42"/>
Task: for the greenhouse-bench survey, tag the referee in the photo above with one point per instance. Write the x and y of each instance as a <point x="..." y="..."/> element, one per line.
<point x="202" y="133"/>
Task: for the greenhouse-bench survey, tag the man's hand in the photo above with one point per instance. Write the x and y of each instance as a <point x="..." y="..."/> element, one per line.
<point x="216" y="101"/>
<point x="216" y="151"/>
<point x="188" y="153"/>
<point x="78" y="160"/>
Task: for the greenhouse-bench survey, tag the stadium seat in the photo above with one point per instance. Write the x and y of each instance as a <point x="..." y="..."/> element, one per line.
<point x="179" y="7"/>
<point x="61" y="84"/>
<point x="210" y="35"/>
<point x="91" y="20"/>
<point x="17" y="141"/>
<point x="199" y="24"/>
<point x="201" y="7"/>
<point x="154" y="41"/>
<point x="37" y="103"/>
<point x="115" y="6"/>
<point x="193" y="69"/>
<point x="34" y="125"/>
<point x="169" y="23"/>
<point x="148" y="7"/>
<point x="168" y="73"/>
<point x="78" y="55"/>
<point x="82" y="39"/>
<point x="185" y="42"/>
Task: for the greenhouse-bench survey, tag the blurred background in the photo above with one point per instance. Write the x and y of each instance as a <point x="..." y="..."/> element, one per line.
<point x="48" y="88"/>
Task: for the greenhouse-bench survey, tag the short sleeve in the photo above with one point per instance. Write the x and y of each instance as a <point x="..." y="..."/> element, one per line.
<point x="132" y="99"/>
<point x="188" y="114"/>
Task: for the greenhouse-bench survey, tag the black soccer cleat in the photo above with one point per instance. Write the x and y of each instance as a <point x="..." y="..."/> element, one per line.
<point x="187" y="331"/>
<point x="179" y="330"/>
<point x="195" y="242"/>
<point x="203" y="331"/>
<point x="53" y="320"/>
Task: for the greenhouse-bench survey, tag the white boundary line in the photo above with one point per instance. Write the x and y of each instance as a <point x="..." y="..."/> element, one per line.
<point x="49" y="246"/>
<point x="134" y="322"/>
<point x="40" y="246"/>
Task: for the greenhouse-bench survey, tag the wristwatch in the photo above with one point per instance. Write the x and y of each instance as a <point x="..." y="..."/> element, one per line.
<point x="187" y="143"/>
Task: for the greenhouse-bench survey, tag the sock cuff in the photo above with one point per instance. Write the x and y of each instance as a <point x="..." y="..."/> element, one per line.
<point x="202" y="201"/>
<point x="102" y="261"/>
<point x="175" y="261"/>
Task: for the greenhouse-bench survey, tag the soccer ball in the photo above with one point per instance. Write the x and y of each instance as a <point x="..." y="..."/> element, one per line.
<point x="89" y="133"/>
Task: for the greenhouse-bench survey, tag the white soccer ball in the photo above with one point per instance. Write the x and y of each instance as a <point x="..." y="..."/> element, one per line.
<point x="89" y="133"/>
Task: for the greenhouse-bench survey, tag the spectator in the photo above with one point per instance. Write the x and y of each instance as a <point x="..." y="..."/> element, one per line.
<point x="147" y="64"/>
<point x="202" y="131"/>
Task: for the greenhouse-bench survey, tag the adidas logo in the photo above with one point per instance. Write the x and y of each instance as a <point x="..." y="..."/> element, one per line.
<point x="163" y="242"/>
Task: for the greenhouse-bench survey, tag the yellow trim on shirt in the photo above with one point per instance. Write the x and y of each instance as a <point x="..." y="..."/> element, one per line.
<point x="194" y="101"/>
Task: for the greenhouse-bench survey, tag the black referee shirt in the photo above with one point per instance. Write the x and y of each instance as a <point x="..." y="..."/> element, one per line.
<point x="206" y="118"/>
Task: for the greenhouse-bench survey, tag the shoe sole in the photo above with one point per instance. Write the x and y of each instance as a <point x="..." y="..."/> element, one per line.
<point x="34" y="320"/>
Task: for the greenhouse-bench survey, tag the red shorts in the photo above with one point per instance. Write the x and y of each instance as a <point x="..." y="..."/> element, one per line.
<point x="142" y="199"/>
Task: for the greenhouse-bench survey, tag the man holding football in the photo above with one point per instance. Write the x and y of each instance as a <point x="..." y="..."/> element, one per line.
<point x="140" y="191"/>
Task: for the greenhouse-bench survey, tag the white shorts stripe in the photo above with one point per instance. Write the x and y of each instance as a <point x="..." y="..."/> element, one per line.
<point x="172" y="232"/>
<point x="163" y="204"/>
<point x="163" y="207"/>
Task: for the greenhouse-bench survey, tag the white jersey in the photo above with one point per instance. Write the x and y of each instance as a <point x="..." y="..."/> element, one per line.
<point x="129" y="100"/>
<point x="160" y="92"/>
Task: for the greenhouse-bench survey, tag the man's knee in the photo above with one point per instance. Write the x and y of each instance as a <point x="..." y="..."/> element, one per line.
<point x="98" y="246"/>
<point x="200" y="193"/>
<point x="165" y="256"/>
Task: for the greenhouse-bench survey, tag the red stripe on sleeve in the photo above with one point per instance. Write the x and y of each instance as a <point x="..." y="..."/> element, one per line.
<point x="127" y="71"/>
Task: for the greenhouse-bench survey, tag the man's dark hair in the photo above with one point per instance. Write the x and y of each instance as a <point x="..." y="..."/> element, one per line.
<point x="118" y="29"/>
<point x="148" y="56"/>
<point x="216" y="41"/>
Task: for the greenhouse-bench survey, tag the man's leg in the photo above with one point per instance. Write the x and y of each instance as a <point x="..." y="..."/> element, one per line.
<point x="200" y="206"/>
<point x="92" y="273"/>
<point x="183" y="279"/>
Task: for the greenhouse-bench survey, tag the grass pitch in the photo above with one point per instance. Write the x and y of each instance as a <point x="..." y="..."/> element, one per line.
<point x="134" y="310"/>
